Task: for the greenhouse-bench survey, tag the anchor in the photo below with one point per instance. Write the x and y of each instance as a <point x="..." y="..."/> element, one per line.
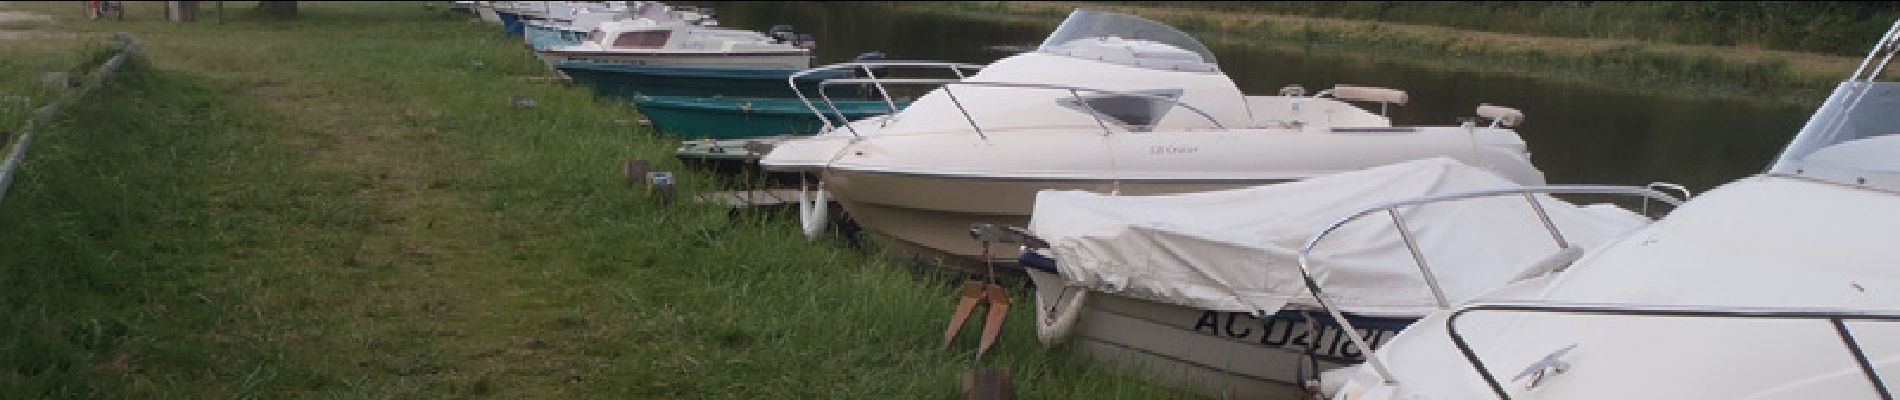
<point x="983" y="291"/>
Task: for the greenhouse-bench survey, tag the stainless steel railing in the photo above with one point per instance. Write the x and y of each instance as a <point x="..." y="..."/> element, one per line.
<point x="1835" y="317"/>
<point x="869" y="68"/>
<point x="1391" y="208"/>
<point x="1074" y="91"/>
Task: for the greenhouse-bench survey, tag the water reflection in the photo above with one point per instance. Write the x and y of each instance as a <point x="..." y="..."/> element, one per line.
<point x="1577" y="133"/>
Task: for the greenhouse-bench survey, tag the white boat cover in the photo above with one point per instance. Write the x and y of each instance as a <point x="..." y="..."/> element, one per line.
<point x="1238" y="250"/>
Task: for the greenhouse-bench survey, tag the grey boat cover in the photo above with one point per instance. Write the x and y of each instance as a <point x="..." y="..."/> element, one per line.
<point x="1238" y="250"/>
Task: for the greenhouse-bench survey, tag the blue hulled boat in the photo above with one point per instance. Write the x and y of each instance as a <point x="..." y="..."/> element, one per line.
<point x="511" y="22"/>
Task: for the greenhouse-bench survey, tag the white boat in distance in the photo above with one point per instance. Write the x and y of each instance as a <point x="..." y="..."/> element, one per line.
<point x="1109" y="103"/>
<point x="1777" y="286"/>
<point x="682" y="41"/>
<point x="569" y="23"/>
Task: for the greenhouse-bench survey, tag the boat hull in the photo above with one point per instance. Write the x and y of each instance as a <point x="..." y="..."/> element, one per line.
<point x="1220" y="353"/>
<point x="927" y="189"/>
<point x="929" y="215"/>
<point x="628" y="80"/>
<point x="741" y="118"/>
<point x="511" y="22"/>
<point x="542" y="37"/>
<point x="761" y="60"/>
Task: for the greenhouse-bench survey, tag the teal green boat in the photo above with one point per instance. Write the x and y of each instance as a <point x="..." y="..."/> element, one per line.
<point x="746" y="117"/>
<point x="724" y="103"/>
<point x="625" y="80"/>
<point x="542" y="35"/>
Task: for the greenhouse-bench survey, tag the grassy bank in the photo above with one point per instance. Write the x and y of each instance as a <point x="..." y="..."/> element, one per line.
<point x="30" y="56"/>
<point x="349" y="205"/>
<point x="1825" y="27"/>
<point x="1636" y="65"/>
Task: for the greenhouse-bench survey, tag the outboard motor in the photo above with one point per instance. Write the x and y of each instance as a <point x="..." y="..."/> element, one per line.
<point x="874" y="56"/>
<point x="871" y="57"/>
<point x="781" y="33"/>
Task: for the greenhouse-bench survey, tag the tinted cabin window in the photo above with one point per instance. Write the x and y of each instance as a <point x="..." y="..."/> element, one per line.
<point x="1139" y="113"/>
<point x="642" y="40"/>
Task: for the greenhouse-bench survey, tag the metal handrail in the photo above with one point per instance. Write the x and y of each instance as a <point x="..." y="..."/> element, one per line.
<point x="956" y="68"/>
<point x="1074" y="91"/>
<point x="1835" y="317"/>
<point x="1431" y="280"/>
<point x="1683" y="192"/>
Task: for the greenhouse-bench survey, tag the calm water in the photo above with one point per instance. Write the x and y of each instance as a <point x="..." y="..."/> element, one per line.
<point x="1578" y="133"/>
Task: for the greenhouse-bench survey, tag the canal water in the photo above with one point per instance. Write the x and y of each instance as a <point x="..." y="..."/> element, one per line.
<point x="1598" y="133"/>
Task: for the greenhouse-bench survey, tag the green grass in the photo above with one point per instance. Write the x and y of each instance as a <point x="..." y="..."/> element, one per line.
<point x="345" y="205"/>
<point x="24" y="69"/>
<point x="124" y="232"/>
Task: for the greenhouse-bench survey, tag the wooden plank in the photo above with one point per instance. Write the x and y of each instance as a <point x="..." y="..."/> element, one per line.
<point x="752" y="198"/>
<point x="987" y="383"/>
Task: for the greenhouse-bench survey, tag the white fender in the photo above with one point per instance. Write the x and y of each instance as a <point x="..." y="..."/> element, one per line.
<point x="1055" y="312"/>
<point x="813" y="210"/>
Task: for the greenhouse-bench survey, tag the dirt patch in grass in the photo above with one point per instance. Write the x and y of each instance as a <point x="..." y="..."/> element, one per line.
<point x="22" y="16"/>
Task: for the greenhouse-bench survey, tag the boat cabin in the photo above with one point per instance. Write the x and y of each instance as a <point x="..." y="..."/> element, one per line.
<point x="646" y="34"/>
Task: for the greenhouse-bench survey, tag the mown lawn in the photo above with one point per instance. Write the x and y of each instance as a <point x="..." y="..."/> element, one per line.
<point x="349" y="205"/>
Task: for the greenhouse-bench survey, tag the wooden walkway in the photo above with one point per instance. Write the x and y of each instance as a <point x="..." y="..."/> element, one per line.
<point x="755" y="198"/>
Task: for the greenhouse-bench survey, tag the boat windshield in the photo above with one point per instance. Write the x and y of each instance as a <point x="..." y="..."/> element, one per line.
<point x="652" y="11"/>
<point x="1854" y="137"/>
<point x="1089" y="24"/>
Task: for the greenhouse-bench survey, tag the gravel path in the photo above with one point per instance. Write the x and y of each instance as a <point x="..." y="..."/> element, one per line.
<point x="20" y="16"/>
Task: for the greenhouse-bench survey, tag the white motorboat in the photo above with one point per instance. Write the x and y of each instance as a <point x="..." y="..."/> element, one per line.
<point x="1109" y="103"/>
<point x="1776" y="286"/>
<point x="681" y="39"/>
<point x="1205" y="290"/>
<point x="568" y="23"/>
<point x="583" y="17"/>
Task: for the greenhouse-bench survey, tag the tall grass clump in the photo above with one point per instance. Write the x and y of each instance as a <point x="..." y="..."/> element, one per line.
<point x="116" y="281"/>
<point x="24" y="83"/>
